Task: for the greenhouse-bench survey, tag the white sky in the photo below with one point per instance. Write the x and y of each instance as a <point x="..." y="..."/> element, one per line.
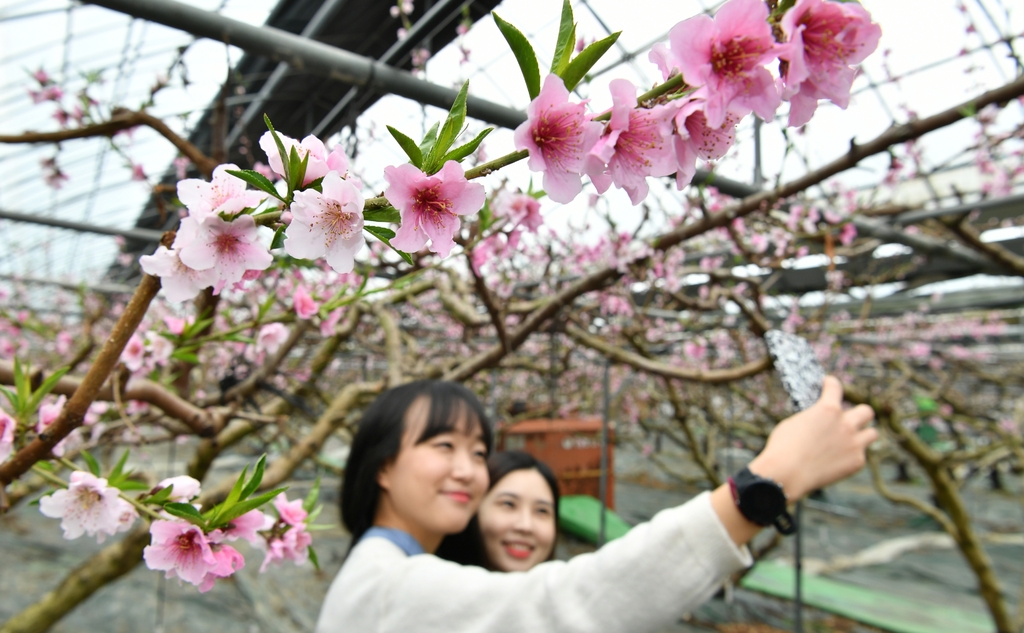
<point x="132" y="53"/>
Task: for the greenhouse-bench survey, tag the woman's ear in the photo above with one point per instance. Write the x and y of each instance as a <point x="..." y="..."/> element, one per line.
<point x="384" y="475"/>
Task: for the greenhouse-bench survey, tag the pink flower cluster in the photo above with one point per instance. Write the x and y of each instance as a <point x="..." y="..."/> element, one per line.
<point x="7" y="427"/>
<point x="89" y="506"/>
<point x="182" y="550"/>
<point x="724" y="59"/>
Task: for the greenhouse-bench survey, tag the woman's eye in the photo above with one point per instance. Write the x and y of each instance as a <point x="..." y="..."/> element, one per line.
<point x="508" y="504"/>
<point x="446" y="445"/>
<point x="543" y="511"/>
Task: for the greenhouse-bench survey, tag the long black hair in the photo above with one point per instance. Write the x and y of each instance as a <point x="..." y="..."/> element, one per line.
<point x="467" y="547"/>
<point x="378" y="439"/>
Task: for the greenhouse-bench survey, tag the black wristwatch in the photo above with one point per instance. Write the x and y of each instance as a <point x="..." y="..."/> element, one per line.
<point x="762" y="501"/>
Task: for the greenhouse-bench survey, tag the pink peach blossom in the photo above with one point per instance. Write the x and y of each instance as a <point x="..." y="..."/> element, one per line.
<point x="229" y="560"/>
<point x="182" y="550"/>
<point x="271" y="337"/>
<point x="229" y="248"/>
<point x="246" y="527"/>
<point x="430" y="206"/>
<point x="293" y="545"/>
<point x="175" y="325"/>
<point x="303" y="303"/>
<point x="48" y="414"/>
<point x="695" y="139"/>
<point x="178" y="281"/>
<point x="726" y="58"/>
<point x="320" y="162"/>
<point x="184" y="489"/>
<point x="223" y="194"/>
<point x="134" y="353"/>
<point x="558" y="134"/>
<point x="291" y="512"/>
<point x="7" y="426"/>
<point x="87" y="506"/>
<point x="825" y="39"/>
<point x="521" y="209"/>
<point x="328" y="223"/>
<point x="635" y="144"/>
<point x="327" y="325"/>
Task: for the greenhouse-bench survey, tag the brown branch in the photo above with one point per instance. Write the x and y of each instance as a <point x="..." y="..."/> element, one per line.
<point x="488" y="299"/>
<point x="712" y="376"/>
<point x="392" y="346"/>
<point x="937" y="515"/>
<point x="893" y="136"/>
<point x="197" y="419"/>
<point x="120" y="121"/>
<point x="251" y="382"/>
<point x="1011" y="261"/>
<point x="73" y="413"/>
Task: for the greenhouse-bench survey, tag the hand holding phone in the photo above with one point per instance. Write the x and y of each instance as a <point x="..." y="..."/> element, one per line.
<point x="802" y="375"/>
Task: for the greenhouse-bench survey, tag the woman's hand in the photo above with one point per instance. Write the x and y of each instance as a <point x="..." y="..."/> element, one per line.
<point x="810" y="450"/>
<point x="818" y="446"/>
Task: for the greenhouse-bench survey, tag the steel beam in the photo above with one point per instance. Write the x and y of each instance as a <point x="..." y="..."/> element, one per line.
<point x="102" y="288"/>
<point x="308" y="55"/>
<point x="143" y="235"/>
<point x="341" y="65"/>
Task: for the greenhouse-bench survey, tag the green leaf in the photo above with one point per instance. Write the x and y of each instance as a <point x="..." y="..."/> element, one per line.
<point x="13" y="399"/>
<point x="297" y="168"/>
<point x="409" y="147"/>
<point x="257" y="180"/>
<point x="314" y="513"/>
<point x="312" y="557"/>
<point x="94" y="466"/>
<point x="311" y="498"/>
<point x="278" y="241"/>
<point x="387" y="214"/>
<point x="524" y="53"/>
<point x="428" y="141"/>
<point x="246" y="506"/>
<point x="187" y="512"/>
<point x="128" y="485"/>
<point x="566" y="40"/>
<point x="449" y="132"/>
<point x="233" y="497"/>
<point x="316" y="185"/>
<point x="117" y="473"/>
<point x="185" y="355"/>
<point x="257" y="478"/>
<point x="21" y="383"/>
<point x="579" y="67"/>
<point x="280" y="148"/>
<point x="161" y="496"/>
<point x="380" y="232"/>
<point x="486" y="216"/>
<point x="238" y="338"/>
<point x="46" y="388"/>
<point x="463" y="151"/>
<point x="195" y="328"/>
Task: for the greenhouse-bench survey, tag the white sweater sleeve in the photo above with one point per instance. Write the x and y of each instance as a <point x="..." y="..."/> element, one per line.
<point x="643" y="581"/>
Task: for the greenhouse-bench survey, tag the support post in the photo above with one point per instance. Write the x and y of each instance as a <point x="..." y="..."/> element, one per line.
<point x="602" y="485"/>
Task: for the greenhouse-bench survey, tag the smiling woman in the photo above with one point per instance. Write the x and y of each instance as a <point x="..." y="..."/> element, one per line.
<point x="417" y="473"/>
<point x="516" y="526"/>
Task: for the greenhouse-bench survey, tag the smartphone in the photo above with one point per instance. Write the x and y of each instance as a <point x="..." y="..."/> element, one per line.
<point x="802" y="375"/>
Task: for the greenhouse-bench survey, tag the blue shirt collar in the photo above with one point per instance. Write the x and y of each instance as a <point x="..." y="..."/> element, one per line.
<point x="403" y="540"/>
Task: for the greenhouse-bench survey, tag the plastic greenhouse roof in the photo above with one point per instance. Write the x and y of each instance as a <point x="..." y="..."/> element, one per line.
<point x="918" y="70"/>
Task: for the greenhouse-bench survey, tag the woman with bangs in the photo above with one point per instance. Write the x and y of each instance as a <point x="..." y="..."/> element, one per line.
<point x="417" y="473"/>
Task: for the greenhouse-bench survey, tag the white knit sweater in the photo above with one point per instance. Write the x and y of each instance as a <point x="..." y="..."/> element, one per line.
<point x="643" y="581"/>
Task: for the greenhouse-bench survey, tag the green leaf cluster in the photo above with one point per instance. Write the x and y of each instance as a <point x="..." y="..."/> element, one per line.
<point x="24" y="400"/>
<point x="571" y="70"/>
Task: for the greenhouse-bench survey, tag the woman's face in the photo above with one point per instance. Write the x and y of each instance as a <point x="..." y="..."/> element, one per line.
<point x="432" y="489"/>
<point x="517" y="521"/>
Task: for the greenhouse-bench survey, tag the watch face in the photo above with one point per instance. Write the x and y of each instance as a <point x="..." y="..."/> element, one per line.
<point x="762" y="502"/>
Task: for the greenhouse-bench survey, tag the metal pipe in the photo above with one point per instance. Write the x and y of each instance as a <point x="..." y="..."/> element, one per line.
<point x="143" y="235"/>
<point x="394" y="55"/>
<point x="1008" y="203"/>
<point x="102" y="288"/>
<point x="602" y="486"/>
<point x="308" y="55"/>
<point x="326" y="11"/>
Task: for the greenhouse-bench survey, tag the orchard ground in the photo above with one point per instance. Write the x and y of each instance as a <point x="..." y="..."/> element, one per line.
<point x="853" y="519"/>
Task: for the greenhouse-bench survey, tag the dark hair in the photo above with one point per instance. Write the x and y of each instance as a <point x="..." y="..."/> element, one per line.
<point x="467" y="547"/>
<point x="379" y="439"/>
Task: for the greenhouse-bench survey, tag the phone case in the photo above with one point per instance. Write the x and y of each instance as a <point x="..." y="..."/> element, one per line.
<point x="802" y="375"/>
